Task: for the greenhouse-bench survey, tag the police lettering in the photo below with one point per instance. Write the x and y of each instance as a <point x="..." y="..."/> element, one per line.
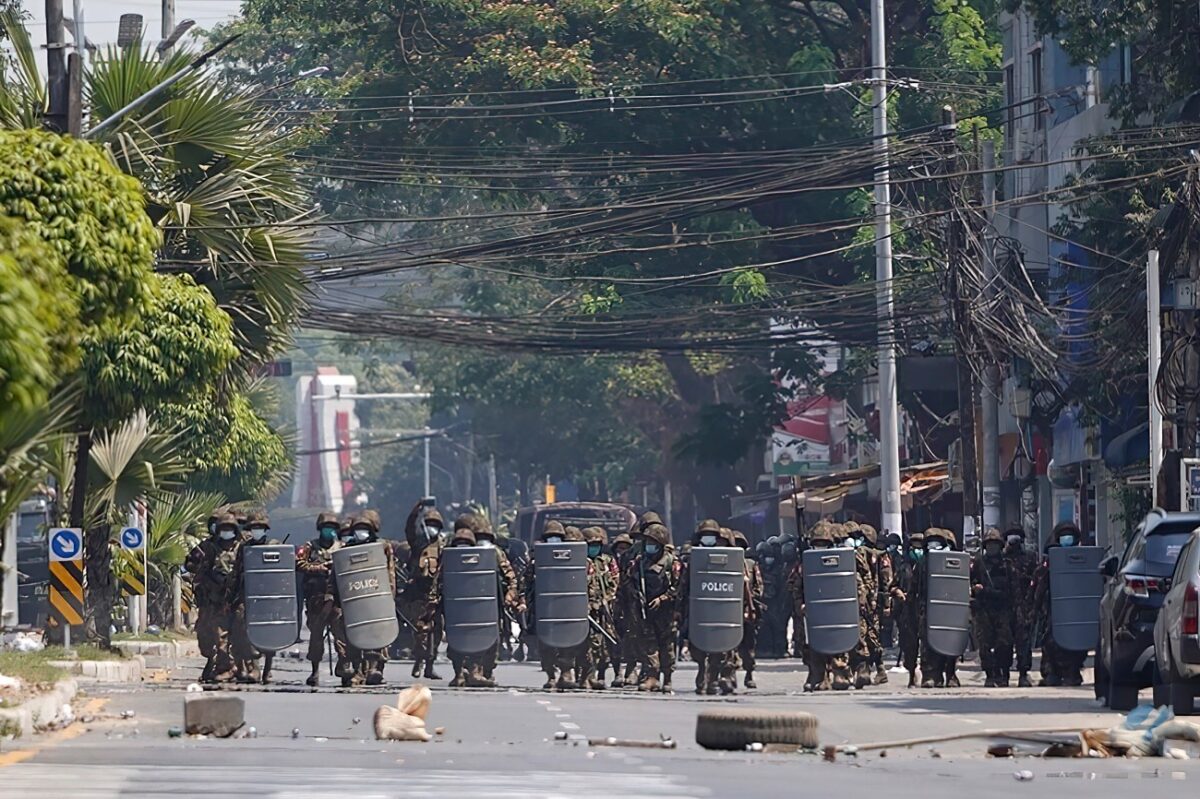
<point x="715" y="586"/>
<point x="363" y="585"/>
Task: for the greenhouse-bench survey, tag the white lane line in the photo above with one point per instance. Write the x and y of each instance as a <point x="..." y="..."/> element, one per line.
<point x="562" y="715"/>
<point x="569" y="725"/>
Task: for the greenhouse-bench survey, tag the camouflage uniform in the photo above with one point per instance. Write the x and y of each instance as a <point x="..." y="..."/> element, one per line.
<point x="880" y="598"/>
<point x="245" y="654"/>
<point x="825" y="671"/>
<point x="650" y="592"/>
<point x="315" y="565"/>
<point x="904" y="593"/>
<point x="622" y="544"/>
<point x="864" y="566"/>
<point x="796" y="594"/>
<point x="1059" y="666"/>
<point x="1022" y="565"/>
<point x="602" y="581"/>
<point x="354" y="665"/>
<point x="193" y="564"/>
<point x="753" y="606"/>
<point x="991" y="605"/>
<point x="937" y="670"/>
<point x="418" y="601"/>
<point x="214" y="567"/>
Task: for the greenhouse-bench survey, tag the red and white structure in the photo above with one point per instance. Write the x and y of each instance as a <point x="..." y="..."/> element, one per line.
<point x="327" y="437"/>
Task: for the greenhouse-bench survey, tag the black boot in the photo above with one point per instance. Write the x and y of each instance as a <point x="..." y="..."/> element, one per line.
<point x="313" y="680"/>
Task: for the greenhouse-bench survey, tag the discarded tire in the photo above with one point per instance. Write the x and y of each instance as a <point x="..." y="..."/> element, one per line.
<point x="736" y="728"/>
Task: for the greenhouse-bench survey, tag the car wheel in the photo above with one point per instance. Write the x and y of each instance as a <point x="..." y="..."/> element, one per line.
<point x="1122" y="697"/>
<point x="1183" y="698"/>
<point x="1100" y="678"/>
<point x="733" y="729"/>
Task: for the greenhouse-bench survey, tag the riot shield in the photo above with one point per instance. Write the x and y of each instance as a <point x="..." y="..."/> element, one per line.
<point x="560" y="591"/>
<point x="716" y="591"/>
<point x="269" y="585"/>
<point x="1075" y="588"/>
<point x="830" y="600"/>
<point x="470" y="586"/>
<point x="948" y="602"/>
<point x="365" y="591"/>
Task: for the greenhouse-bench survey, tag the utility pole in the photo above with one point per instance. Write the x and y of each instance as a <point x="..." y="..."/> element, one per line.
<point x="493" y="497"/>
<point x="960" y="308"/>
<point x="168" y="27"/>
<point x="1153" y="361"/>
<point x="891" y="520"/>
<point x="990" y="398"/>
<point x="427" y="434"/>
<point x="56" y="67"/>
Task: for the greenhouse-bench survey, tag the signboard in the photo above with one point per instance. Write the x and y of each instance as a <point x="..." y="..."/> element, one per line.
<point x="132" y="538"/>
<point x="66" y="575"/>
<point x="1189" y="489"/>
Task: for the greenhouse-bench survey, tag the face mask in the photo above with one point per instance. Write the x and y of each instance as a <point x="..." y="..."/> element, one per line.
<point x="652" y="549"/>
<point x="916" y="554"/>
<point x="226" y="535"/>
<point x="993" y="548"/>
<point x="328" y="535"/>
<point x="212" y="529"/>
<point x="841" y="544"/>
<point x="1014" y="540"/>
<point x="1066" y="540"/>
<point x="935" y="546"/>
<point x="487" y="544"/>
<point x="708" y="540"/>
<point x="593" y="550"/>
<point x="361" y="535"/>
<point x="769" y="560"/>
<point x="554" y="539"/>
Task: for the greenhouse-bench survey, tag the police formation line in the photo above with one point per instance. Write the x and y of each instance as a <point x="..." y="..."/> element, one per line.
<point x="633" y="604"/>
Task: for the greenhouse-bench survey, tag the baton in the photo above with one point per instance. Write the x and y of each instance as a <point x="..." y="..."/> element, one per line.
<point x="607" y="636"/>
<point x="329" y="648"/>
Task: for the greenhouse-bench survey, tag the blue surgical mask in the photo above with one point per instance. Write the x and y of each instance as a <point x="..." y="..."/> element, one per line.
<point x="652" y="548"/>
<point x="226" y="534"/>
<point x="594" y="550"/>
<point x="1014" y="540"/>
<point x="554" y="539"/>
<point x="708" y="540"/>
<point x="1066" y="540"/>
<point x="917" y="554"/>
<point x="934" y="546"/>
<point x="328" y="534"/>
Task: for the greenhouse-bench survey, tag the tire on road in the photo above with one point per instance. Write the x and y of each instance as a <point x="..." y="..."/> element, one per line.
<point x="734" y="729"/>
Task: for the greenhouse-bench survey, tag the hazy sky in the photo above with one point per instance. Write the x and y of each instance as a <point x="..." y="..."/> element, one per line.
<point x="101" y="16"/>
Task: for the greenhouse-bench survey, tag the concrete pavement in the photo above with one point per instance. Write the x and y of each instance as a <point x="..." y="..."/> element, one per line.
<point x="503" y="743"/>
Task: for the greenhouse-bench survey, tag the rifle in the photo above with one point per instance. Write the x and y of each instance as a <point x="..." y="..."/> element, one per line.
<point x="600" y="629"/>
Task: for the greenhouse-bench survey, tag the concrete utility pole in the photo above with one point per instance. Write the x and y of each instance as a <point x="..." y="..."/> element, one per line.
<point x="889" y="415"/>
<point x="1153" y="361"/>
<point x="493" y="497"/>
<point x="168" y="24"/>
<point x="428" y="432"/>
<point x="990" y="399"/>
<point x="56" y="66"/>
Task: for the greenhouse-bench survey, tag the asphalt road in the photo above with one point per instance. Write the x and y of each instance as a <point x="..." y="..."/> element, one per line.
<point x="502" y="742"/>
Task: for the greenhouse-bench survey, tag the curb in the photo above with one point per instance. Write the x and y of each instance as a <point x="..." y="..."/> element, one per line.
<point x="131" y="670"/>
<point x="40" y="711"/>
<point x="175" y="650"/>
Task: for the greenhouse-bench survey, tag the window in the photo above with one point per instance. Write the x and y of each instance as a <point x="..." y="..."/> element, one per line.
<point x="1010" y="98"/>
<point x="1035" y="72"/>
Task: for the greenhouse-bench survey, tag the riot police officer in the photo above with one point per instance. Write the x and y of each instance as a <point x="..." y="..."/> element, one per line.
<point x="991" y="604"/>
<point x="1022" y="565"/>
<point x="906" y="609"/>
<point x="753" y="609"/>
<point x="937" y="670"/>
<point x="1059" y="666"/>
<point x="356" y="666"/>
<point x="825" y="671"/>
<point x="650" y="594"/>
<point x="418" y="598"/>
<point x="316" y="575"/>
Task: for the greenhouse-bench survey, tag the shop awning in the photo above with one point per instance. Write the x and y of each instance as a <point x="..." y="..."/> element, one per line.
<point x="827" y="494"/>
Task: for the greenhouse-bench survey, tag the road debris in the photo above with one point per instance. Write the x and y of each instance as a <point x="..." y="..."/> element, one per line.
<point x="1023" y="776"/>
<point x="405" y="721"/>
<point x="662" y="743"/>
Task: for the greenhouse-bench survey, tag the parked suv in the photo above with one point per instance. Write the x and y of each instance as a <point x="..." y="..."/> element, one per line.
<point x="1137" y="581"/>
<point x="1177" y="632"/>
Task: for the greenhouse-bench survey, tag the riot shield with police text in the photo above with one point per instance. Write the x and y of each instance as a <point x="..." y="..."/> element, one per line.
<point x="365" y="592"/>
<point x="830" y="600"/>
<point x="716" y="592"/>
<point x="560" y="593"/>
<point x="1075" y="588"/>
<point x="470" y="598"/>
<point x="269" y="586"/>
<point x="947" y="602"/>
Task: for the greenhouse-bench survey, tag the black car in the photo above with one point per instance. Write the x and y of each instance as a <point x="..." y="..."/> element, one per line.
<point x="1137" y="580"/>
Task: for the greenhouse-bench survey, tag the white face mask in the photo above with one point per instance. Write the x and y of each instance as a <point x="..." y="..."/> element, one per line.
<point x="487" y="544"/>
<point x="554" y="539"/>
<point x="226" y="535"/>
<point x="361" y="536"/>
<point x="934" y="546"/>
<point x="708" y="540"/>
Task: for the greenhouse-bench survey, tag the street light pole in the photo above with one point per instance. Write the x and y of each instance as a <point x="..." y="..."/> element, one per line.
<point x="1153" y="361"/>
<point x="889" y="415"/>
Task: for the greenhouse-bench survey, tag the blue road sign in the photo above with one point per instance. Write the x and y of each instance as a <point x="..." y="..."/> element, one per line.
<point x="132" y="538"/>
<point x="66" y="543"/>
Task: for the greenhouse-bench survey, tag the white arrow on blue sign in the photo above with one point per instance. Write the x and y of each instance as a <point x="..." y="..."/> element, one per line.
<point x="132" y="538"/>
<point x="66" y="543"/>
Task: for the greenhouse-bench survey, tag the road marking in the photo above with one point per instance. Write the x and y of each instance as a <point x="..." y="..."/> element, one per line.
<point x="72" y="730"/>
<point x="562" y="715"/>
<point x="569" y="725"/>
